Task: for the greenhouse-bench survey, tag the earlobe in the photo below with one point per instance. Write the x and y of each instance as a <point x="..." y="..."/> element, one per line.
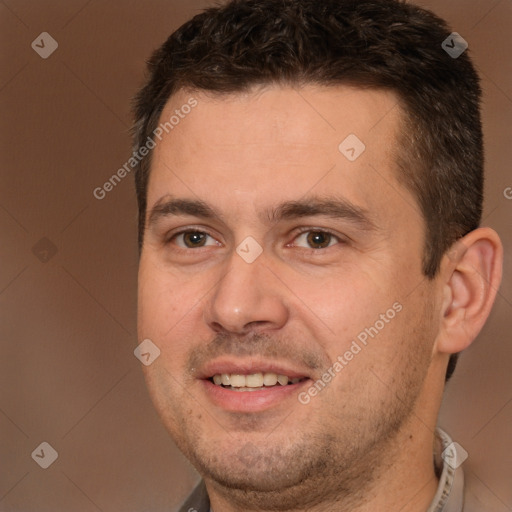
<point x="472" y="275"/>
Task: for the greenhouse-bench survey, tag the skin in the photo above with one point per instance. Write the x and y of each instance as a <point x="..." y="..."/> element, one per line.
<point x="365" y="441"/>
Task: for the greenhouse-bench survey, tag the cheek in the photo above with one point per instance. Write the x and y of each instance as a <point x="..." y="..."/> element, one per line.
<point x="403" y="348"/>
<point x="164" y="301"/>
<point x="391" y="361"/>
<point x="345" y="302"/>
<point x="166" y="395"/>
<point x="372" y="324"/>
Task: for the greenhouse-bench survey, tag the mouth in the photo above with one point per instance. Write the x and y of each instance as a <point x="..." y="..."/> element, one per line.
<point x="253" y="381"/>
<point x="252" y="386"/>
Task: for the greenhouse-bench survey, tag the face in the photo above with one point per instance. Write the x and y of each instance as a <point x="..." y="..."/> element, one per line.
<point x="274" y="250"/>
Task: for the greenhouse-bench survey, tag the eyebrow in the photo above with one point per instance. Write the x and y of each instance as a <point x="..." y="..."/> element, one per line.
<point x="332" y="207"/>
<point x="336" y="208"/>
<point x="192" y="207"/>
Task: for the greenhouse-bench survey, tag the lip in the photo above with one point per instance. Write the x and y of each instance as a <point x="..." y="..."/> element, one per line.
<point x="249" y="367"/>
<point x="251" y="401"/>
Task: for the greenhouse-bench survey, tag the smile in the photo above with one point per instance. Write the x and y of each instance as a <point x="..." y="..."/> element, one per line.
<point x="253" y="381"/>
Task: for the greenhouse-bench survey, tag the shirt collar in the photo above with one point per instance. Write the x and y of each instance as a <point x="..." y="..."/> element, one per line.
<point x="447" y="460"/>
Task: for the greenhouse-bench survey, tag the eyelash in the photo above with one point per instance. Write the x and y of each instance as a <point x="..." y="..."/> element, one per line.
<point x="300" y="232"/>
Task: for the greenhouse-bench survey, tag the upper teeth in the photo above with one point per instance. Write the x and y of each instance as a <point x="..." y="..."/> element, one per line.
<point x="254" y="380"/>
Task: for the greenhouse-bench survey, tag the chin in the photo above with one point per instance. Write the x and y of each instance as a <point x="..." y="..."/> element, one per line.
<point x="250" y="467"/>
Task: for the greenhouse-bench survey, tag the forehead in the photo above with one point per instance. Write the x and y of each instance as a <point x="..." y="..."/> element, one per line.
<point x="276" y="141"/>
<point x="291" y="115"/>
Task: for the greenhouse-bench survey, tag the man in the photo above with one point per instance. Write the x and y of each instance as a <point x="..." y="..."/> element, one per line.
<point x="311" y="261"/>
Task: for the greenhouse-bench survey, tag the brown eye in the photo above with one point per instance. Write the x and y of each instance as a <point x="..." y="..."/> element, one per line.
<point x="316" y="239"/>
<point x="193" y="239"/>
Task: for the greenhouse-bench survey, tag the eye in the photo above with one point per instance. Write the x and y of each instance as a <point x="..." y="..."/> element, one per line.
<point x="191" y="239"/>
<point x="316" y="239"/>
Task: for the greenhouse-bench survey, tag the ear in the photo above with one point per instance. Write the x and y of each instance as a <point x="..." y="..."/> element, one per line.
<point x="471" y="275"/>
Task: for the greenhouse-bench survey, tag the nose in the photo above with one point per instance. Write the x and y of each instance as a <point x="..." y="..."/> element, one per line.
<point x="248" y="297"/>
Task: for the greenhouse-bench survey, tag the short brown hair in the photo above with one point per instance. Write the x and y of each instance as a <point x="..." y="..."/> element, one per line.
<point x="385" y="44"/>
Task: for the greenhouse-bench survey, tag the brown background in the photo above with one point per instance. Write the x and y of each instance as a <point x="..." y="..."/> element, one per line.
<point x="68" y="375"/>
